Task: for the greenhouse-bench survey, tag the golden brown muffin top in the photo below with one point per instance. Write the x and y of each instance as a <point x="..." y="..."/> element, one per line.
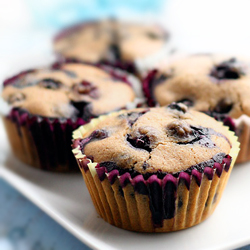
<point x="68" y="92"/>
<point x="220" y="84"/>
<point x="110" y="40"/>
<point x="168" y="139"/>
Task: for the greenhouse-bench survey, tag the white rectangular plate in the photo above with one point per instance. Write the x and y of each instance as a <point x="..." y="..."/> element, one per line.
<point x="65" y="198"/>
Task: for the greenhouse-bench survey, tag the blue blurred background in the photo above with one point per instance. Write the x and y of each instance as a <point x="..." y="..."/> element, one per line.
<point x="27" y="26"/>
<point x="59" y="13"/>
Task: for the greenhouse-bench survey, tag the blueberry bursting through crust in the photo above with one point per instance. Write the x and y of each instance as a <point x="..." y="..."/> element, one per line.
<point x="227" y="70"/>
<point x="220" y="113"/>
<point x="181" y="132"/>
<point x="113" y="52"/>
<point x="84" y="92"/>
<point x="231" y="69"/>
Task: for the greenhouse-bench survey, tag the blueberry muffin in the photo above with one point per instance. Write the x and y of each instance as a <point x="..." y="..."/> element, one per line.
<point x="130" y="46"/>
<point x="46" y="105"/>
<point x="155" y="170"/>
<point x="216" y="85"/>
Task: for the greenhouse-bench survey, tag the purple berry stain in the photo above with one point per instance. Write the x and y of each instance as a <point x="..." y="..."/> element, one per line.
<point x="87" y="88"/>
<point x="141" y="142"/>
<point x="132" y="117"/>
<point x="228" y="70"/>
<point x="95" y="135"/>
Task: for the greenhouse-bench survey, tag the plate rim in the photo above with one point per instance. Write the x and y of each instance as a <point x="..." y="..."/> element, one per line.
<point x="6" y="174"/>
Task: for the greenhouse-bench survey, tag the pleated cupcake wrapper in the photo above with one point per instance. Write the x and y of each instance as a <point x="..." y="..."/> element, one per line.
<point x="242" y="125"/>
<point x="41" y="142"/>
<point x="46" y="143"/>
<point x="147" y="85"/>
<point x="154" y="204"/>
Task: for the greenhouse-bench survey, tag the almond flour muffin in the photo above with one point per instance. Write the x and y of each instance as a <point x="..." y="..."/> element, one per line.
<point x="123" y="44"/>
<point x="216" y="85"/>
<point x="46" y="105"/>
<point x="155" y="170"/>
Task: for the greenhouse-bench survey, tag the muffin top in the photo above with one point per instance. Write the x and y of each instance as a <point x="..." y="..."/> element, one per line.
<point x="168" y="139"/>
<point x="110" y="40"/>
<point x="205" y="82"/>
<point x="67" y="91"/>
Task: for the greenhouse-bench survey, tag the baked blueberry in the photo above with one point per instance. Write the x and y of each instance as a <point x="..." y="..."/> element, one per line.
<point x="216" y="85"/>
<point x="114" y="42"/>
<point x="92" y="85"/>
<point x="132" y="117"/>
<point x="186" y="101"/>
<point x="178" y="107"/>
<point x="140" y="142"/>
<point x="159" y="173"/>
<point x="87" y="88"/>
<point x="99" y="134"/>
<point x="48" y="104"/>
<point x="230" y="69"/>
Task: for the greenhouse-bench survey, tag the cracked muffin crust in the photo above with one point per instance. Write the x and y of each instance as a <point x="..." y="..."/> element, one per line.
<point x="206" y="83"/>
<point x="155" y="170"/>
<point x="155" y="140"/>
<point x="214" y="84"/>
<point x="48" y="104"/>
<point x="74" y="90"/>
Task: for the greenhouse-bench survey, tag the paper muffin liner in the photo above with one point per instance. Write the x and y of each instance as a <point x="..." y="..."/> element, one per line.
<point x="42" y="142"/>
<point x="45" y="142"/>
<point x="154" y="204"/>
<point x="147" y="86"/>
<point x="242" y="128"/>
